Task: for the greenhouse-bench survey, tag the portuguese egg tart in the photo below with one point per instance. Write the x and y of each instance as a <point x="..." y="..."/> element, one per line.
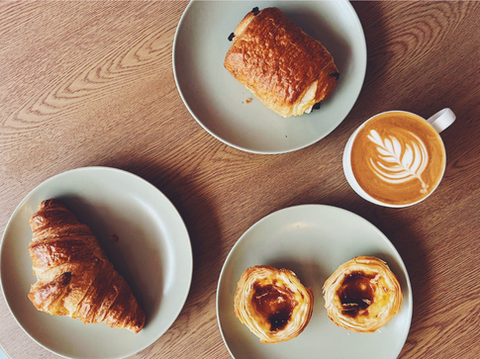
<point x="362" y="295"/>
<point x="273" y="303"/>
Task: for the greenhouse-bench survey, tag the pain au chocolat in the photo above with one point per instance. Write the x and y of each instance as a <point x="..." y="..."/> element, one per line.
<point x="273" y="303"/>
<point x="286" y="69"/>
<point x="74" y="276"/>
<point x="362" y="295"/>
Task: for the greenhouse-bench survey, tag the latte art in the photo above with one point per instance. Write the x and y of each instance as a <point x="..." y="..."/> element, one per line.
<point x="397" y="158"/>
<point x="399" y="161"/>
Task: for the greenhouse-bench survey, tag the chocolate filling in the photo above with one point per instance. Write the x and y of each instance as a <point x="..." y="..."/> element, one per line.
<point x="231" y="36"/>
<point x="336" y="75"/>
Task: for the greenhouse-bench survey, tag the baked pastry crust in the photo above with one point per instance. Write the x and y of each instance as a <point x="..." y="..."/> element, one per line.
<point x="273" y="303"/>
<point x="362" y="295"/>
<point x="280" y="64"/>
<point x="74" y="276"/>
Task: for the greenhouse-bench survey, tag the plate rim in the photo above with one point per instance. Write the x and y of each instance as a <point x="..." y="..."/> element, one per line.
<point x="144" y="182"/>
<point x="269" y="152"/>
<point x="304" y="206"/>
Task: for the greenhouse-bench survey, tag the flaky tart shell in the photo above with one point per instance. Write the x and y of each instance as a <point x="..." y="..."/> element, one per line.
<point x="362" y="295"/>
<point x="286" y="69"/>
<point x="273" y="303"/>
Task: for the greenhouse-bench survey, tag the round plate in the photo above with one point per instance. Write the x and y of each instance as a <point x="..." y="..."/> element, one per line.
<point x="312" y="241"/>
<point x="219" y="102"/>
<point x="153" y="254"/>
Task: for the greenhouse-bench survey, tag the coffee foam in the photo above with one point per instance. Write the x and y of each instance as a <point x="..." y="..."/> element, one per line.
<point x="398" y="158"/>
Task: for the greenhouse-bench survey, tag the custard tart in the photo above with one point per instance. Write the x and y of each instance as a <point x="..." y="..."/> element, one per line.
<point x="273" y="303"/>
<point x="362" y="295"/>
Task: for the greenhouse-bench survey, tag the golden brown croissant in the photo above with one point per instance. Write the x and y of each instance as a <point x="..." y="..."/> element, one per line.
<point x="272" y="303"/>
<point x="362" y="295"/>
<point x="281" y="65"/>
<point x="74" y="276"/>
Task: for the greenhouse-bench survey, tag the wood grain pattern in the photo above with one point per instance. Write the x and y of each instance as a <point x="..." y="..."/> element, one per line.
<point x="91" y="83"/>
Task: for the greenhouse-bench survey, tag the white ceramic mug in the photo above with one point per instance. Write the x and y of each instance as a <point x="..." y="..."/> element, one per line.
<point x="439" y="122"/>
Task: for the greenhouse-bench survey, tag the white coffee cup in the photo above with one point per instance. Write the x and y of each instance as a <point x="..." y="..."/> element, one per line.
<point x="439" y="122"/>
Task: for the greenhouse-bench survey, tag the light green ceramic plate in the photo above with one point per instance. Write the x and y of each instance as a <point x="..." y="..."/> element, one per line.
<point x="219" y="103"/>
<point x="313" y="241"/>
<point x="153" y="254"/>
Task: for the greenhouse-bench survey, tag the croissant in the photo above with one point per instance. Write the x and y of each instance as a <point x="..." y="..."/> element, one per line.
<point x="74" y="276"/>
<point x="286" y="69"/>
<point x="272" y="303"/>
<point x="362" y="295"/>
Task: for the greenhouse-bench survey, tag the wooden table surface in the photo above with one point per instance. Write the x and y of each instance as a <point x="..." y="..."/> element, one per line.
<point x="84" y="84"/>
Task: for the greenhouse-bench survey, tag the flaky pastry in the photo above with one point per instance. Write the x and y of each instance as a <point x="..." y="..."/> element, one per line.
<point x="362" y="295"/>
<point x="273" y="303"/>
<point x="74" y="276"/>
<point x="286" y="69"/>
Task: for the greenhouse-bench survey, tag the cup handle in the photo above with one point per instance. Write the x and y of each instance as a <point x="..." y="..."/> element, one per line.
<point x="442" y="119"/>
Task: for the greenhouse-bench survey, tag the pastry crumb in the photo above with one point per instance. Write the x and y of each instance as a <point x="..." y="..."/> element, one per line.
<point x="248" y="100"/>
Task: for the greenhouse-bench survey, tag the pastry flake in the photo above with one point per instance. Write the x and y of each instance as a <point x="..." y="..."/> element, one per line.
<point x="362" y="295"/>
<point x="273" y="303"/>
<point x="286" y="69"/>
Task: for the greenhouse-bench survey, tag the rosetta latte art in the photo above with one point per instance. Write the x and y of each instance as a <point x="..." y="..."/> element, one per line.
<point x="398" y="161"/>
